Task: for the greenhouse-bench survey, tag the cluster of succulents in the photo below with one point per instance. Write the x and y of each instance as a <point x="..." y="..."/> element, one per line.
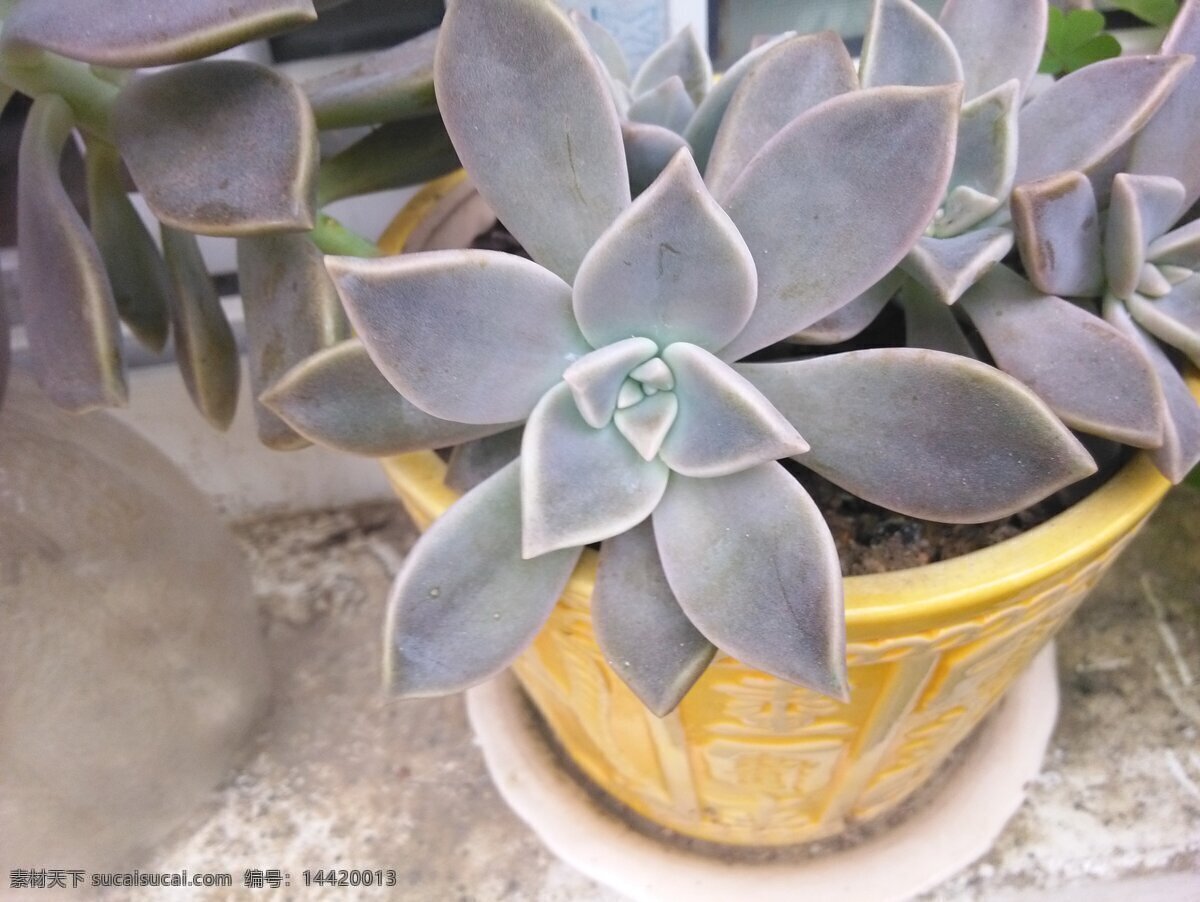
<point x="698" y="250"/>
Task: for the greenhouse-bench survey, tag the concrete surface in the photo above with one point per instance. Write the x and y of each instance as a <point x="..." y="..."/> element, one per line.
<point x="342" y="777"/>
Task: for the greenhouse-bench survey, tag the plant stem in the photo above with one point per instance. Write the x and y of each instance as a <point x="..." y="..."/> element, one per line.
<point x="90" y="98"/>
<point x="334" y="238"/>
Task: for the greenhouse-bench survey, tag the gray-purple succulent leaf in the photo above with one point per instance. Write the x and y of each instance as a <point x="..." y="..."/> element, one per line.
<point x="682" y="57"/>
<point x="645" y="636"/>
<point x="771" y="550"/>
<point x="667" y="105"/>
<point x="646" y="424"/>
<point x="580" y="484"/>
<point x="466" y="602"/>
<point x="1173" y="318"/>
<point x="903" y="45"/>
<point x="702" y="130"/>
<point x="338" y="398"/>
<point x="394" y="84"/>
<point x="985" y="161"/>
<point x="1092" y="376"/>
<point x="205" y="347"/>
<point x="925" y="433"/>
<point x="70" y="315"/>
<point x="1142" y="209"/>
<point x="1120" y="96"/>
<point x="604" y="45"/>
<point x="789" y="79"/>
<point x="671" y="268"/>
<point x="648" y="150"/>
<point x="559" y="180"/>
<point x="1179" y="452"/>
<point x="138" y="33"/>
<point x="254" y="173"/>
<point x="292" y="311"/>
<point x="849" y="320"/>
<point x="947" y="267"/>
<point x="930" y="323"/>
<point x="135" y="267"/>
<point x="475" y="461"/>
<point x="597" y="379"/>
<point x="1057" y="225"/>
<point x="836" y="200"/>
<point x="1168" y="145"/>
<point x="468" y="336"/>
<point x="996" y="40"/>
<point x="1180" y="247"/>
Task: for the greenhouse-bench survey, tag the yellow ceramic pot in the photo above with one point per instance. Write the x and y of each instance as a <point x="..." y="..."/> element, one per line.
<point x="748" y="759"/>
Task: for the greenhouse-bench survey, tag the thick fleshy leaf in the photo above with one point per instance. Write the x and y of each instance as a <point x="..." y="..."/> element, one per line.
<point x="684" y="57"/>
<point x="1089" y="374"/>
<point x="848" y="321"/>
<point x="929" y="323"/>
<point x="903" y="45"/>
<point x="580" y="484"/>
<point x="1179" y="452"/>
<point x="467" y="336"/>
<point x="672" y="268"/>
<point x="392" y="84"/>
<point x="668" y="105"/>
<point x="255" y="169"/>
<point x="949" y="266"/>
<point x="835" y="200"/>
<point x="595" y="379"/>
<point x="70" y="316"/>
<point x="466" y="603"/>
<point x="1142" y="208"/>
<point x="604" y="45"/>
<point x="1153" y="284"/>
<point x="1058" y="234"/>
<point x="754" y="568"/>
<point x="790" y="79"/>
<point x="725" y="425"/>
<point x="559" y="180"/>
<point x="645" y="425"/>
<point x="985" y="161"/>
<point x="996" y="40"/>
<point x="1180" y="247"/>
<point x="138" y="33"/>
<point x="394" y="155"/>
<point x="646" y="638"/>
<point x="648" y="150"/>
<point x="205" y="347"/>
<point x="338" y="398"/>
<point x="472" y="462"/>
<point x="1120" y="95"/>
<point x="1167" y="145"/>
<point x="702" y="130"/>
<point x="292" y="311"/>
<point x="1175" y="318"/>
<point x="924" y="433"/>
<point x="135" y="268"/>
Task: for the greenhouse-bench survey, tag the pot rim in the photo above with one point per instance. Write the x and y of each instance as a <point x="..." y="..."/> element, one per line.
<point x="877" y="605"/>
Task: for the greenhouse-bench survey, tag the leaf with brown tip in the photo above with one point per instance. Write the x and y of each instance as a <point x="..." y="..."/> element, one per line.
<point x="1057" y="226"/>
<point x="220" y="148"/>
<point x="135" y="33"/>
<point x="70" y="316"/>
<point x="205" y="347"/>
<point x="292" y="311"/>
<point x="135" y="267"/>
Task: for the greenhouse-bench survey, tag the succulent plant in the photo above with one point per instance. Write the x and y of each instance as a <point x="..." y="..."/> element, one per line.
<point x="224" y="148"/>
<point x="618" y="346"/>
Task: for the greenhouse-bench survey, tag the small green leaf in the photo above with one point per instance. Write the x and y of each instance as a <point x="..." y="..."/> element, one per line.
<point x="1076" y="39"/>
<point x="1156" y="12"/>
